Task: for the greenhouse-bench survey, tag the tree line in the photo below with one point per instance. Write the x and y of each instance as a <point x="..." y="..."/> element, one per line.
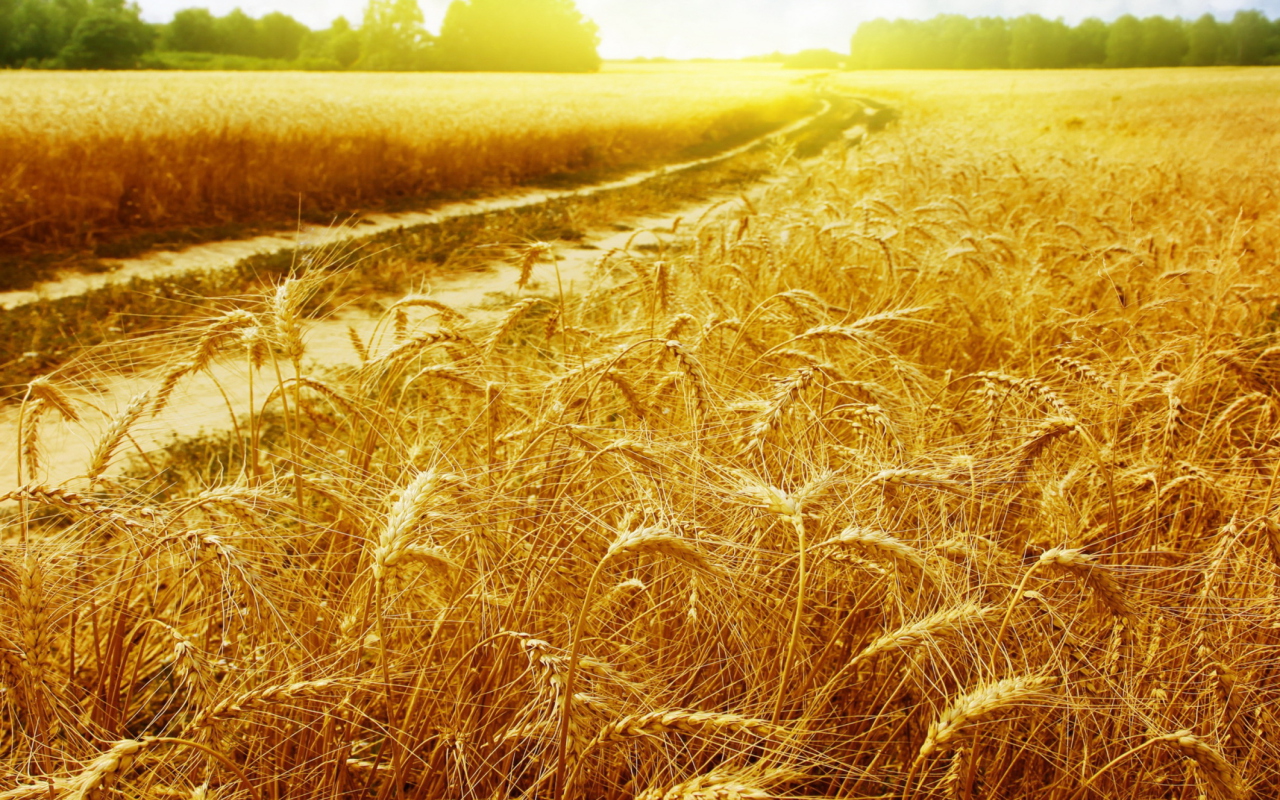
<point x="1033" y="42"/>
<point x="496" y="35"/>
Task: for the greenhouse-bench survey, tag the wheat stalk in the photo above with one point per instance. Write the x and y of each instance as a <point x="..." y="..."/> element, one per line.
<point x="116" y="430"/>
<point x="880" y="543"/>
<point x="692" y="369"/>
<point x="264" y="697"/>
<point x="1097" y="577"/>
<point x="415" y="501"/>
<point x="71" y="501"/>
<point x="1219" y="772"/>
<point x="98" y="777"/>
<point x="654" y="723"/>
<point x="979" y="703"/>
<point x="942" y="623"/>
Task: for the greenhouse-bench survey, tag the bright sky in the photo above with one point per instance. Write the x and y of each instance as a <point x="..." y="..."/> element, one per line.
<point x="736" y="28"/>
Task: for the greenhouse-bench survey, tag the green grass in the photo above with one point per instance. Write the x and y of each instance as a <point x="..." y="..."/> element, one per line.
<point x="233" y="63"/>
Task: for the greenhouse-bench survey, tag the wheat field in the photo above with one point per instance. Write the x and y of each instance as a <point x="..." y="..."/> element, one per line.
<point x="943" y="468"/>
<point x="90" y="156"/>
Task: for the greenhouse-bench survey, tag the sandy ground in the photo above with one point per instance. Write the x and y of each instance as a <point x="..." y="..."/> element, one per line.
<point x="207" y="401"/>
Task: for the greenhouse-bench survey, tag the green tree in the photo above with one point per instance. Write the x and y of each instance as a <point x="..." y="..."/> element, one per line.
<point x="1164" y="42"/>
<point x="344" y="43"/>
<point x="1204" y="42"/>
<point x="393" y="36"/>
<point x="193" y="30"/>
<point x="518" y="36"/>
<point x="1250" y="32"/>
<point x="1089" y="43"/>
<point x="940" y="39"/>
<point x="108" y="38"/>
<point x="985" y="46"/>
<point x="237" y="34"/>
<point x="280" y="36"/>
<point x="338" y="45"/>
<point x="38" y="29"/>
<point x="33" y="32"/>
<point x="1124" y="43"/>
<point x="1037" y="43"/>
<point x="7" y="8"/>
<point x="868" y="48"/>
<point x="910" y="44"/>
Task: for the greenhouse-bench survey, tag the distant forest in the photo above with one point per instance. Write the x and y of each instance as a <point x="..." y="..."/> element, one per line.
<point x="1033" y="42"/>
<point x="506" y="35"/>
<point x="554" y="36"/>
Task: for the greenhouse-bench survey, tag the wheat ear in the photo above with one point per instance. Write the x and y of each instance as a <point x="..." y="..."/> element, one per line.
<point x="751" y="784"/>
<point x="933" y="627"/>
<point x="411" y="347"/>
<point x="980" y="702"/>
<point x="512" y="318"/>
<point x="53" y="396"/>
<point x="33" y="618"/>
<point x="1097" y="577"/>
<point x="784" y="395"/>
<point x="30" y="437"/>
<point x="1219" y="772"/>
<point x="654" y="723"/>
<point x="94" y="781"/>
<point x="528" y="258"/>
<point x="447" y="313"/>
<point x="286" y="314"/>
<point x="114" y="435"/>
<point x="169" y="383"/>
<point x="414" y="502"/>
<point x="269" y="696"/>
<point x="628" y="543"/>
<point x="881" y="544"/>
<point x="69" y="501"/>
<point x="692" y="369"/>
<point x="658" y="540"/>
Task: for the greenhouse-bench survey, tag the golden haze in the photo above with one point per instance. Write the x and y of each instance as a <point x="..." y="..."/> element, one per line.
<point x="945" y="467"/>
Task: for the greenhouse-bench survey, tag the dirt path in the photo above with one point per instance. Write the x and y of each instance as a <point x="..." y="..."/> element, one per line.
<point x="209" y="401"/>
<point x="212" y="400"/>
<point x="226" y="254"/>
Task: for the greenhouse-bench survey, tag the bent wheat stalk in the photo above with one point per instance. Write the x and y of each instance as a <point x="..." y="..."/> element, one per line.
<point x="972" y="707"/>
<point x="628" y="543"/>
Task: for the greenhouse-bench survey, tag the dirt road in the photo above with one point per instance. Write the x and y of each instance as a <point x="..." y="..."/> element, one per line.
<point x="220" y="255"/>
<point x="213" y="399"/>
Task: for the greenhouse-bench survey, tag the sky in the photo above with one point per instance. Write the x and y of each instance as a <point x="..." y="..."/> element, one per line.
<point x="738" y="28"/>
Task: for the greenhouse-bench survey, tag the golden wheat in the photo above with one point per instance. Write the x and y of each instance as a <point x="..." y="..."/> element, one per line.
<point x="531" y="565"/>
<point x="90" y="155"/>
